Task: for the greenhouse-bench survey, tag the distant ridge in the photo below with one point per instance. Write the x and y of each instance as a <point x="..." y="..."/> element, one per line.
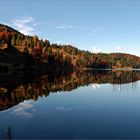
<point x="61" y="56"/>
<point x="5" y="28"/>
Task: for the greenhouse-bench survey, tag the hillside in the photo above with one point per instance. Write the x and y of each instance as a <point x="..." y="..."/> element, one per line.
<point x="85" y="59"/>
<point x="18" y="49"/>
<point x="5" y="28"/>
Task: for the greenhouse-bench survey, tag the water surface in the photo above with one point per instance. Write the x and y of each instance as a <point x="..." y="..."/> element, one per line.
<point x="99" y="104"/>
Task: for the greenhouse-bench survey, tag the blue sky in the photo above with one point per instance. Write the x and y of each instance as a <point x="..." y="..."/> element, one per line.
<point x="94" y="25"/>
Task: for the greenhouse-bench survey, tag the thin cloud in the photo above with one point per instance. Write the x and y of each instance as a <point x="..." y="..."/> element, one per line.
<point x="59" y="42"/>
<point x="96" y="50"/>
<point x="25" y="25"/>
<point x="119" y="48"/>
<point x="68" y="26"/>
<point x="64" y="26"/>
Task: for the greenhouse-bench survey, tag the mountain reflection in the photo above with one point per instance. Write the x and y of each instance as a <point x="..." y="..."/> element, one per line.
<point x="17" y="88"/>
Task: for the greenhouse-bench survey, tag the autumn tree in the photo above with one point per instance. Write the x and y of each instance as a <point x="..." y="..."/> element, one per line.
<point x="1" y="38"/>
<point x="13" y="41"/>
<point x="8" y="37"/>
<point x="46" y="43"/>
<point x="35" y="40"/>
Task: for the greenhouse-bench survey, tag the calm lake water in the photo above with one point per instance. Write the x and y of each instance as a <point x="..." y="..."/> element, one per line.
<point x="101" y="104"/>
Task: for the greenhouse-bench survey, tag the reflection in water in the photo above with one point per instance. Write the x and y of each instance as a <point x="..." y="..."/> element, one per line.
<point x="94" y="86"/>
<point x="125" y="88"/>
<point x="91" y="111"/>
<point x="13" y="92"/>
<point x="22" y="109"/>
<point x="6" y="134"/>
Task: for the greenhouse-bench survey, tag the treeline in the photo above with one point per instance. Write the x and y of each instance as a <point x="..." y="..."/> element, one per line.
<point x="86" y="59"/>
<point x="32" y="47"/>
<point x="65" y="56"/>
<point x="16" y="39"/>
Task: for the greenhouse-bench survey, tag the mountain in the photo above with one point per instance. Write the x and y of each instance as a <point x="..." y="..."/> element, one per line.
<point x="5" y="28"/>
<point x="31" y="51"/>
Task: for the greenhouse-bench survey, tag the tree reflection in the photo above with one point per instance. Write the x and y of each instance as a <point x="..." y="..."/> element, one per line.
<point x="127" y="87"/>
<point x="31" y="87"/>
<point x="6" y="134"/>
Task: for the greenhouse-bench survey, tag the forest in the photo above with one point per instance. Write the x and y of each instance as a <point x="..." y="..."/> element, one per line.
<point x="55" y="57"/>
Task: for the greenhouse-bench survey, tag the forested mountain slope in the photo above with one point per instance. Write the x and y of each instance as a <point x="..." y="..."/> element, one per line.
<point x="56" y="56"/>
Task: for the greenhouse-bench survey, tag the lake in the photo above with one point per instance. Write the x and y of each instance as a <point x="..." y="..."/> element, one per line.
<point x="79" y="105"/>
